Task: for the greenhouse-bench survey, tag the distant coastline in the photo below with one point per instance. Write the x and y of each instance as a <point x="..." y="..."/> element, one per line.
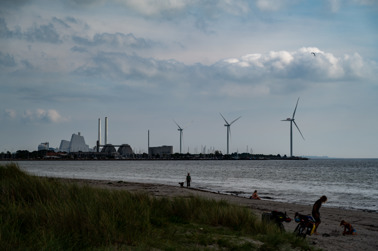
<point x="51" y="155"/>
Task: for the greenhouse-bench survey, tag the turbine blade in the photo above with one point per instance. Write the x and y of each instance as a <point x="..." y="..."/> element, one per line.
<point x="224" y="119"/>
<point x="295" y="109"/>
<point x="234" y="120"/>
<point x="177" y="124"/>
<point x="299" y="130"/>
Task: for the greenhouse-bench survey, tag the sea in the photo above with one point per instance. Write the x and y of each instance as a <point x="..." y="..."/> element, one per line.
<point x="348" y="183"/>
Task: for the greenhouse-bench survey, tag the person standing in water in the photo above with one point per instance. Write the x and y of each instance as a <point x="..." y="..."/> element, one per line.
<point x="316" y="213"/>
<point x="188" y="180"/>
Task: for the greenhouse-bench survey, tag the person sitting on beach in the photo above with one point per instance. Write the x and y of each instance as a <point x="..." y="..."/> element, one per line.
<point x="348" y="229"/>
<point x="255" y="196"/>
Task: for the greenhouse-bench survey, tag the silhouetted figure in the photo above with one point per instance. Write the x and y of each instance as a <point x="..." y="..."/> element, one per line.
<point x="188" y="180"/>
<point x="316" y="213"/>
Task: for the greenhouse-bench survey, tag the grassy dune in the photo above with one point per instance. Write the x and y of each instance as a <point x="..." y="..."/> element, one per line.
<point x="38" y="213"/>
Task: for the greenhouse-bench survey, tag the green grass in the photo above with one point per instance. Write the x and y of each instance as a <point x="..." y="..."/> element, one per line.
<point x="38" y="213"/>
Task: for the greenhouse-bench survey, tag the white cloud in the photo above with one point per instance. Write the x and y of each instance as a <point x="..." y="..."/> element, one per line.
<point x="40" y="115"/>
<point x="300" y="64"/>
<point x="153" y="7"/>
<point x="334" y="5"/>
<point x="271" y="5"/>
<point x="9" y="114"/>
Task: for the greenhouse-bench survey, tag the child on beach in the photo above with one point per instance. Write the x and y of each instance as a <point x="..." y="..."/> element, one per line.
<point x="348" y="229"/>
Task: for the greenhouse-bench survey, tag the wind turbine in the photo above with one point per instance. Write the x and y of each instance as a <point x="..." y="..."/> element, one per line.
<point x="180" y="130"/>
<point x="228" y="130"/>
<point x="292" y="120"/>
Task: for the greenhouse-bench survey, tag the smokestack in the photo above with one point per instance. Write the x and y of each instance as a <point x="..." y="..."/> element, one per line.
<point x="106" y="130"/>
<point x="148" y="149"/>
<point x="99" y="131"/>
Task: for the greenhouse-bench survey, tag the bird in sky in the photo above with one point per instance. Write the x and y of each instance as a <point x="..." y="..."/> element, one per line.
<point x="313" y="54"/>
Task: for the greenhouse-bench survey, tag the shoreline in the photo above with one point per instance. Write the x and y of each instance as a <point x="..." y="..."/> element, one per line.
<point x="365" y="222"/>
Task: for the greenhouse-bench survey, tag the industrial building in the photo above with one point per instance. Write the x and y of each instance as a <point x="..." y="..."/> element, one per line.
<point x="77" y="144"/>
<point x="160" y="150"/>
<point x="125" y="150"/>
<point x="43" y="146"/>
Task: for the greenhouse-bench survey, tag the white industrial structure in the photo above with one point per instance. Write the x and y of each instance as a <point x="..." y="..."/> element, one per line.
<point x="43" y="146"/>
<point x="77" y="144"/>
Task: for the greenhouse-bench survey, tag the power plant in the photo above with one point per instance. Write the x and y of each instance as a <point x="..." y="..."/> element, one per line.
<point x="103" y="149"/>
<point x="123" y="149"/>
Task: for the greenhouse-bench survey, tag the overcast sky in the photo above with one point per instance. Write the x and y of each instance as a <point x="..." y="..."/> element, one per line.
<point x="145" y="64"/>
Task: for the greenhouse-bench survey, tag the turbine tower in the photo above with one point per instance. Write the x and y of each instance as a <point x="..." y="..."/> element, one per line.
<point x="228" y="130"/>
<point x="180" y="130"/>
<point x="292" y="120"/>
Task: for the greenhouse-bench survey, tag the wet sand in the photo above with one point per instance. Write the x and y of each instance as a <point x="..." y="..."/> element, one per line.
<point x="330" y="233"/>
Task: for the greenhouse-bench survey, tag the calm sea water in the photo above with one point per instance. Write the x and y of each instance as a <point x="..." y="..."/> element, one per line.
<point x="348" y="183"/>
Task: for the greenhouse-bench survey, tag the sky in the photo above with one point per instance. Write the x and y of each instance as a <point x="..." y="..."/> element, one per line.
<point x="146" y="64"/>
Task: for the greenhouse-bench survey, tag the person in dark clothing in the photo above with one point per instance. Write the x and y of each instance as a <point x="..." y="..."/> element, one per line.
<point x="316" y="213"/>
<point x="188" y="180"/>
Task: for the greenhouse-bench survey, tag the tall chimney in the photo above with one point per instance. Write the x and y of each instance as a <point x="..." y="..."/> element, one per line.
<point x="106" y="130"/>
<point x="99" y="131"/>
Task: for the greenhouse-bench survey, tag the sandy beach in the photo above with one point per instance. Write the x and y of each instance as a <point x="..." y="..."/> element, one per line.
<point x="330" y="233"/>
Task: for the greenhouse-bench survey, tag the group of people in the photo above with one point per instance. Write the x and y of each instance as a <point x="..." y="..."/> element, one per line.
<point x="348" y="229"/>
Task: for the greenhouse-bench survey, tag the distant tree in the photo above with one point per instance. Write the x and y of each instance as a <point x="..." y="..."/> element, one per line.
<point x="22" y="154"/>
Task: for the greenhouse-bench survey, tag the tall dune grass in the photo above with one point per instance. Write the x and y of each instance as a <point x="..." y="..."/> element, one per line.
<point x="38" y="213"/>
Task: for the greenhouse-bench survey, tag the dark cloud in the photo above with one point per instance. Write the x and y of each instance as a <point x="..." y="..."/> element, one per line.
<point x="7" y="60"/>
<point x="5" y="32"/>
<point x="27" y="65"/>
<point x="79" y="49"/>
<point x="115" y="40"/>
<point x="13" y="3"/>
<point x="60" y="22"/>
<point x="43" y="33"/>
